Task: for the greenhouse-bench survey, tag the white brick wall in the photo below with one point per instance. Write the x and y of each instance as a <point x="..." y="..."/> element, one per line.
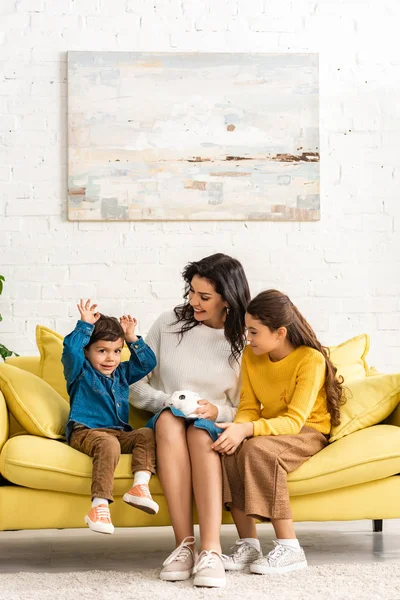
<point x="344" y="271"/>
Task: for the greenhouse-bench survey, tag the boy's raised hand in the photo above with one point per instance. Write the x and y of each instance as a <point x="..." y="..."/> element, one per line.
<point x="128" y="324"/>
<point x="87" y="311"/>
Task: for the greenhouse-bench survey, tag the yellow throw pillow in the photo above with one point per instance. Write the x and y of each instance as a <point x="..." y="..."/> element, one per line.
<point x="368" y="402"/>
<point x="50" y="345"/>
<point x="349" y="357"/>
<point x="33" y="403"/>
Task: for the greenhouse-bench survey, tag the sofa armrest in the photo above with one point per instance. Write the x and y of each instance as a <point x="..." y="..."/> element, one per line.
<point x="394" y="418"/>
<point x="4" y="422"/>
<point x="27" y="363"/>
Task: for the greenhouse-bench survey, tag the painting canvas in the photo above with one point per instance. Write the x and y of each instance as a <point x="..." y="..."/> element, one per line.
<point x="193" y="136"/>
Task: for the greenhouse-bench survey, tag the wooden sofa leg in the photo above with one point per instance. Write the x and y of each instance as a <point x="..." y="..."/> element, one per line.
<point x="377" y="525"/>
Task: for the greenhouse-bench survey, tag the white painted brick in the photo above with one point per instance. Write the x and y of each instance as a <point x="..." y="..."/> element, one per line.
<point x="68" y="292"/>
<point x="42" y="274"/>
<point x="114" y="274"/>
<point x="5" y="173"/>
<point x="10" y="224"/>
<point x="126" y="289"/>
<point x="30" y="5"/>
<point x="7" y="123"/>
<point x="43" y="308"/>
<point x="389" y="321"/>
<point x="31" y="207"/>
<point x="22" y="257"/>
<point x="369" y="305"/>
<point x="23" y="291"/>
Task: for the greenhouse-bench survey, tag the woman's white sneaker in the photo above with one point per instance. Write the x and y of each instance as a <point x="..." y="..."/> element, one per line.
<point x="244" y="554"/>
<point x="282" y="559"/>
<point x="209" y="570"/>
<point x="179" y="564"/>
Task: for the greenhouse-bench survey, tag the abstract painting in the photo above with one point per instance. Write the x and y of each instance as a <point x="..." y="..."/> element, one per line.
<point x="193" y="136"/>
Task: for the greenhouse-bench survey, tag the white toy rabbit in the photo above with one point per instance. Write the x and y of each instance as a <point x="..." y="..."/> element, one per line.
<point x="185" y="401"/>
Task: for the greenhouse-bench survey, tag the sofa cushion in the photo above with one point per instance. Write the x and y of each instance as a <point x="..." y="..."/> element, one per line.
<point x="33" y="403"/>
<point x="349" y="357"/>
<point x="50" y="346"/>
<point x="366" y="455"/>
<point x="368" y="402"/>
<point x="45" y="464"/>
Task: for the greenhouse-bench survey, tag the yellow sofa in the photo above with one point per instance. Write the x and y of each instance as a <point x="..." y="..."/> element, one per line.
<point x="46" y="484"/>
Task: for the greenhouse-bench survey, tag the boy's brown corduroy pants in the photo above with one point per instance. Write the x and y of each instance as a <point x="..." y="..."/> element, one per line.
<point x="105" y="447"/>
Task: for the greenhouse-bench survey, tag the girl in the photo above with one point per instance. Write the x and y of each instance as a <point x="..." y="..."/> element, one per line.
<point x="290" y="397"/>
<point x="198" y="347"/>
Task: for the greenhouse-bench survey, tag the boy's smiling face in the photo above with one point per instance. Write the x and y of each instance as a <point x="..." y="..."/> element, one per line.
<point x="105" y="356"/>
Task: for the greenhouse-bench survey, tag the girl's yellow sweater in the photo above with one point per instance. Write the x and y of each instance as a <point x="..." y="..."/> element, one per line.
<point x="281" y="397"/>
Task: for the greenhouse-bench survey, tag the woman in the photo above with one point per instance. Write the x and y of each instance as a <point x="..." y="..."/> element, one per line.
<point x="198" y="347"/>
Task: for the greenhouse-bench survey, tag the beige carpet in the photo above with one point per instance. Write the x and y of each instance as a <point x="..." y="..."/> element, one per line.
<point x="373" y="581"/>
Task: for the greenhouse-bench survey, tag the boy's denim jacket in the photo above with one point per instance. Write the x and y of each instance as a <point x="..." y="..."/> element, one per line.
<point x="98" y="401"/>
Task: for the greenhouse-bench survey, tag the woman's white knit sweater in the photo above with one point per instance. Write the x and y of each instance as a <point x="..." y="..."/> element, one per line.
<point x="199" y="362"/>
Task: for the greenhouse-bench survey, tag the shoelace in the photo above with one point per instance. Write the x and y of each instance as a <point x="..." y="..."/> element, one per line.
<point x="277" y="551"/>
<point x="181" y="552"/>
<point x="103" y="512"/>
<point x="144" y="489"/>
<point x="207" y="558"/>
<point x="240" y="546"/>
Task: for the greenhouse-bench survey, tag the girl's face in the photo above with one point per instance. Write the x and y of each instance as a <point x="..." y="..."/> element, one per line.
<point x="261" y="339"/>
<point x="208" y="306"/>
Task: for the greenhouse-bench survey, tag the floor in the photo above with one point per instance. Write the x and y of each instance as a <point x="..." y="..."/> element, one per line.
<point x="76" y="550"/>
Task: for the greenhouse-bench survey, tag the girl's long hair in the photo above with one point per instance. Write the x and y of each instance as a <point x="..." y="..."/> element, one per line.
<point x="275" y="310"/>
<point x="228" y="277"/>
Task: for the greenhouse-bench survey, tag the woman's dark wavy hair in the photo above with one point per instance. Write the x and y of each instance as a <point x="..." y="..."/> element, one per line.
<point x="106" y="328"/>
<point x="228" y="277"/>
<point x="275" y="310"/>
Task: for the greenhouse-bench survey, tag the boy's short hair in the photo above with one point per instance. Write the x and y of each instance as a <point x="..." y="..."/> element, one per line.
<point x="108" y="329"/>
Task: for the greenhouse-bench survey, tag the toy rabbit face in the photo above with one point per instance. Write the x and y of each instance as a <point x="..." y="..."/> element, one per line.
<point x="185" y="401"/>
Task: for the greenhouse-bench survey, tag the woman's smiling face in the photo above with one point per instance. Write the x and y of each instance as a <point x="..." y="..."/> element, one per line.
<point x="208" y="306"/>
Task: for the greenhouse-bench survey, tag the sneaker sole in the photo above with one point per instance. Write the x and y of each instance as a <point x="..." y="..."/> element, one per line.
<point x="209" y="582"/>
<point x="176" y="576"/>
<point x="263" y="570"/>
<point x="148" y="506"/>
<point x="99" y="527"/>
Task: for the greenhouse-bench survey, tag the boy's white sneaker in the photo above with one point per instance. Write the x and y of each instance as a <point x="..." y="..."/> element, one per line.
<point x="282" y="559"/>
<point x="99" y="519"/>
<point x="243" y="555"/>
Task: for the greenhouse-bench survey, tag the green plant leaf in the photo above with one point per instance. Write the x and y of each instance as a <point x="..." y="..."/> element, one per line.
<point x="1" y="283"/>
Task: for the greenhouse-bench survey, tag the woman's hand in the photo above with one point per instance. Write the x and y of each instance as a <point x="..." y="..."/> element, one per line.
<point x="87" y="311"/>
<point x="206" y="410"/>
<point x="232" y="437"/>
<point x="128" y="324"/>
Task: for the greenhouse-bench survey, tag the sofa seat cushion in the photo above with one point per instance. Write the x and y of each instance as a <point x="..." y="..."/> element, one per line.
<point x="45" y="464"/>
<point x="366" y="455"/>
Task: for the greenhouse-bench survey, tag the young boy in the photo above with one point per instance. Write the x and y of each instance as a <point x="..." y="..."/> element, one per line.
<point x="98" y="386"/>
